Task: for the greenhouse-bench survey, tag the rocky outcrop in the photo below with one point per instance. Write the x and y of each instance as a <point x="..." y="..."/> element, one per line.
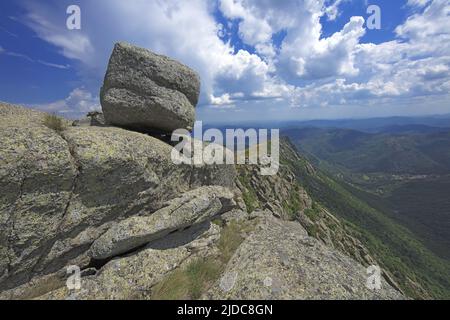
<point x="278" y="193"/>
<point x="61" y="191"/>
<point x="148" y="92"/>
<point x="134" y="275"/>
<point x="280" y="261"/>
<point x="93" y="118"/>
<point x="287" y="199"/>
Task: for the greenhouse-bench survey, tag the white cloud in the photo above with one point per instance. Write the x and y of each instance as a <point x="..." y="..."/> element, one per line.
<point x="73" y="45"/>
<point x="185" y="30"/>
<point x="304" y="53"/>
<point x="76" y="105"/>
<point x="17" y="55"/>
<point x="253" y="29"/>
<point x="333" y="56"/>
<point x="416" y="65"/>
<point x="332" y="11"/>
<point x="29" y="59"/>
<point x="224" y="99"/>
<point x="53" y="65"/>
<point x="433" y="22"/>
<point x="418" y="3"/>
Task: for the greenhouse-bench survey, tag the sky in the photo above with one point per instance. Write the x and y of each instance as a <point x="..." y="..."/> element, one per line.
<point x="257" y="59"/>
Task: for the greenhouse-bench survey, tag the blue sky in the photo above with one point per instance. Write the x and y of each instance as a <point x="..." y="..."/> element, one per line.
<point x="258" y="59"/>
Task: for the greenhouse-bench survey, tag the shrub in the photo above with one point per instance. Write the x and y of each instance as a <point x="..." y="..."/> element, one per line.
<point x="193" y="280"/>
<point x="54" y="122"/>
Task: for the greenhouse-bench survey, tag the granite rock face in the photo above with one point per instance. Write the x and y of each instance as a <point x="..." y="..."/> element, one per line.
<point x="60" y="191"/>
<point x="148" y="92"/>
<point x="280" y="261"/>
<point x="285" y="197"/>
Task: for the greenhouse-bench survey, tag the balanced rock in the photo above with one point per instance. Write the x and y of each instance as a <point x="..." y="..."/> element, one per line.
<point x="148" y="92"/>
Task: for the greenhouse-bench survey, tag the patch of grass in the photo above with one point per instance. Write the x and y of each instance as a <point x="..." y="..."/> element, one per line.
<point x="175" y="286"/>
<point x="250" y="198"/>
<point x="250" y="201"/>
<point x="194" y="279"/>
<point x="52" y="121"/>
<point x="312" y="230"/>
<point x="201" y="273"/>
<point x="230" y="239"/>
<point x="292" y="205"/>
<point x="314" y="212"/>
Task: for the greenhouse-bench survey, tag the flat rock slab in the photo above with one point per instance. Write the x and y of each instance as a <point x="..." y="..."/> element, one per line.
<point x="280" y="261"/>
<point x="133" y="276"/>
<point x="191" y="208"/>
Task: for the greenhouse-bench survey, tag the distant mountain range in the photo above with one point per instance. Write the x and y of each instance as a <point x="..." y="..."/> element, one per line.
<point x="398" y="150"/>
<point x="375" y="124"/>
<point x="384" y="124"/>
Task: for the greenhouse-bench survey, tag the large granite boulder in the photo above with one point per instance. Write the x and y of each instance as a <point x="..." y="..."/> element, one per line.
<point x="148" y="92"/>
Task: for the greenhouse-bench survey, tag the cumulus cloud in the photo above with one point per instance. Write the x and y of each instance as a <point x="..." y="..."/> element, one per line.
<point x="332" y="10"/>
<point x="224" y="99"/>
<point x="418" y="3"/>
<point x="333" y="56"/>
<point x="304" y="54"/>
<point x="76" y="105"/>
<point x="415" y="65"/>
<point x="185" y="30"/>
<point x="433" y="22"/>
